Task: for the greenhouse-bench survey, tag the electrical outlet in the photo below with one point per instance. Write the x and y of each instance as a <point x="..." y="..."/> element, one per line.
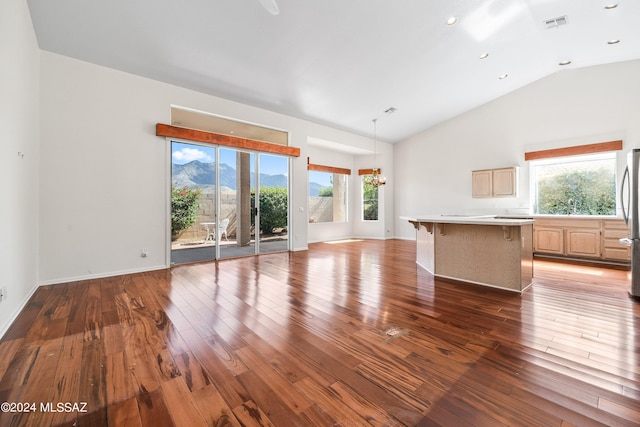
<point x="144" y="253"/>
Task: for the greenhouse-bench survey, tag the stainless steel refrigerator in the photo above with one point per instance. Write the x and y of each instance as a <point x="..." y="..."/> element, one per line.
<point x="629" y="194"/>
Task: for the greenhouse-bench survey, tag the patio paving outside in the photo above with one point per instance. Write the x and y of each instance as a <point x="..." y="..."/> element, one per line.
<point x="184" y="251"/>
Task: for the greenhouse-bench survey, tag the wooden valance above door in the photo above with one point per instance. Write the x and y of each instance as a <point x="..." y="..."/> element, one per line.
<point x="329" y="169"/>
<point x="369" y="171"/>
<point x="225" y="140"/>
<point x="600" y="147"/>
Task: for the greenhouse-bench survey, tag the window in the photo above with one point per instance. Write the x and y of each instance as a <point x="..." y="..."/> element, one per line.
<point x="575" y="185"/>
<point x="369" y="199"/>
<point x="327" y="197"/>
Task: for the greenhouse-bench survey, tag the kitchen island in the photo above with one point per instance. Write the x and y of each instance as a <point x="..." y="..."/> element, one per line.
<point x="483" y="249"/>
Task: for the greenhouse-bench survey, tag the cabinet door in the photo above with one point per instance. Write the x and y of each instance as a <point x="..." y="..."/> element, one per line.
<point x="616" y="254"/>
<point x="504" y="182"/>
<point x="481" y="183"/>
<point x="583" y="243"/>
<point x="548" y="240"/>
<point x="612" y="249"/>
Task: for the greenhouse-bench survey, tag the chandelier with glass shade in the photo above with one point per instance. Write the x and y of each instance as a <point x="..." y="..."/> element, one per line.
<point x="377" y="179"/>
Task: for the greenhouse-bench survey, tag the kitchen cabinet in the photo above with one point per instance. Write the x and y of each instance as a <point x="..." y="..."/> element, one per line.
<point x="549" y="240"/>
<point x="581" y="238"/>
<point x="481" y="183"/>
<point x="505" y="182"/>
<point x="494" y="183"/>
<point x="612" y="232"/>
<point x="582" y="242"/>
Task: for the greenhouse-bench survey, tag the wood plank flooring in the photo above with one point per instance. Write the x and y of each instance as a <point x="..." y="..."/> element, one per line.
<point x="299" y="339"/>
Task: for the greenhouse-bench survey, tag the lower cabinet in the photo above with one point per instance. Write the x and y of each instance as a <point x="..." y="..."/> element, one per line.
<point x="581" y="238"/>
<point x="612" y="232"/>
<point x="548" y="240"/>
<point x="583" y="243"/>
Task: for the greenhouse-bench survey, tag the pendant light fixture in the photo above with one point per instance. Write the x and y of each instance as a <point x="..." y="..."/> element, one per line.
<point x="376" y="179"/>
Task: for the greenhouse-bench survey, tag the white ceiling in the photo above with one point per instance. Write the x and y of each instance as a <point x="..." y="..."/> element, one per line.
<point x="343" y="62"/>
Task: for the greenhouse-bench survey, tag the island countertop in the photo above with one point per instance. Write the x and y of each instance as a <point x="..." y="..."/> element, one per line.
<point x="487" y="250"/>
<point x="470" y="219"/>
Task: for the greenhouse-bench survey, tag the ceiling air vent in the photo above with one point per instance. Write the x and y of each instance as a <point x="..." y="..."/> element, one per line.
<point x="556" y="22"/>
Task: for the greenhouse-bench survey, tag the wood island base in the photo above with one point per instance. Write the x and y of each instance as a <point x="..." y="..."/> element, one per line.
<point x="494" y="252"/>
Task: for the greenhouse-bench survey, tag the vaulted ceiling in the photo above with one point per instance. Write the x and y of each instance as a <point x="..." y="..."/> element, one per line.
<point x="345" y="62"/>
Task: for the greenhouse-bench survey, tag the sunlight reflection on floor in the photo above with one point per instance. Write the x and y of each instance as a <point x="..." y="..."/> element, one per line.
<point x="334" y="242"/>
<point x="571" y="268"/>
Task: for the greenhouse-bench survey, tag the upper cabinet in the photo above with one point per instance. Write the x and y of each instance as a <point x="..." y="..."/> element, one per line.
<point x="495" y="182"/>
<point x="482" y="183"/>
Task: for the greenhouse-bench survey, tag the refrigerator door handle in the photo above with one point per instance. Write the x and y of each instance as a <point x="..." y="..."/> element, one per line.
<point x="625" y="178"/>
<point x="626" y="241"/>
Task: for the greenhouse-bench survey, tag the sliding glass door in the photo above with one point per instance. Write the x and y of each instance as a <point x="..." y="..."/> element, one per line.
<point x="273" y="209"/>
<point x="227" y="203"/>
<point x="193" y="203"/>
<point x="237" y="186"/>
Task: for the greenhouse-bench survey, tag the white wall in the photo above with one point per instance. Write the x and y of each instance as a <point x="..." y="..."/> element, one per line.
<point x="100" y="154"/>
<point x="571" y="107"/>
<point x="18" y="175"/>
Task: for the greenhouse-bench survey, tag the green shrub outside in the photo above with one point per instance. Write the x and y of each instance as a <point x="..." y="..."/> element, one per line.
<point x="326" y="192"/>
<point x="273" y="208"/>
<point x="370" y="199"/>
<point x="184" y="209"/>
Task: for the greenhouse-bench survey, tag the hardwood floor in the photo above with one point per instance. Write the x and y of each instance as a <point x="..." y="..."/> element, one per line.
<point x="300" y="339"/>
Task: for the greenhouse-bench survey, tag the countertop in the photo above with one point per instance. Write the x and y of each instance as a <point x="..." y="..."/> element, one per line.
<point x="471" y="219"/>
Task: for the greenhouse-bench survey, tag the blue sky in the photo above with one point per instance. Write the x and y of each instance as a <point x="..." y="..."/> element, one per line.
<point x="271" y="165"/>
<point x="185" y="153"/>
<point x="322" y="178"/>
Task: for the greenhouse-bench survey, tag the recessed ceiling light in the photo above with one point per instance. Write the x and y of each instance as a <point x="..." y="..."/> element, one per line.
<point x="614" y="41"/>
<point x="484" y="56"/>
<point x="504" y="76"/>
<point x="566" y="62"/>
<point x="452" y="20"/>
<point x="611" y="6"/>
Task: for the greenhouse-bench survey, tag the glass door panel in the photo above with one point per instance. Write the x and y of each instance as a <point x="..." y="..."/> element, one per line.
<point x="236" y="175"/>
<point x="273" y="208"/>
<point x="215" y="206"/>
<point x="193" y="203"/>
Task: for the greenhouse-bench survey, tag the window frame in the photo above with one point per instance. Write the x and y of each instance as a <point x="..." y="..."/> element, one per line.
<point x="363" y="178"/>
<point x="567" y="159"/>
<point x="334" y="171"/>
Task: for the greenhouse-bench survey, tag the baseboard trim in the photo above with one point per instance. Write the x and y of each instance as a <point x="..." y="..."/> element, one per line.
<point x="5" y="328"/>
<point x="614" y="265"/>
<point x="101" y="275"/>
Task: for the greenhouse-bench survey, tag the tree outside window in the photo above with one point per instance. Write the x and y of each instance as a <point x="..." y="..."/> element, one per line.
<point x="369" y="199"/>
<point x="578" y="185"/>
